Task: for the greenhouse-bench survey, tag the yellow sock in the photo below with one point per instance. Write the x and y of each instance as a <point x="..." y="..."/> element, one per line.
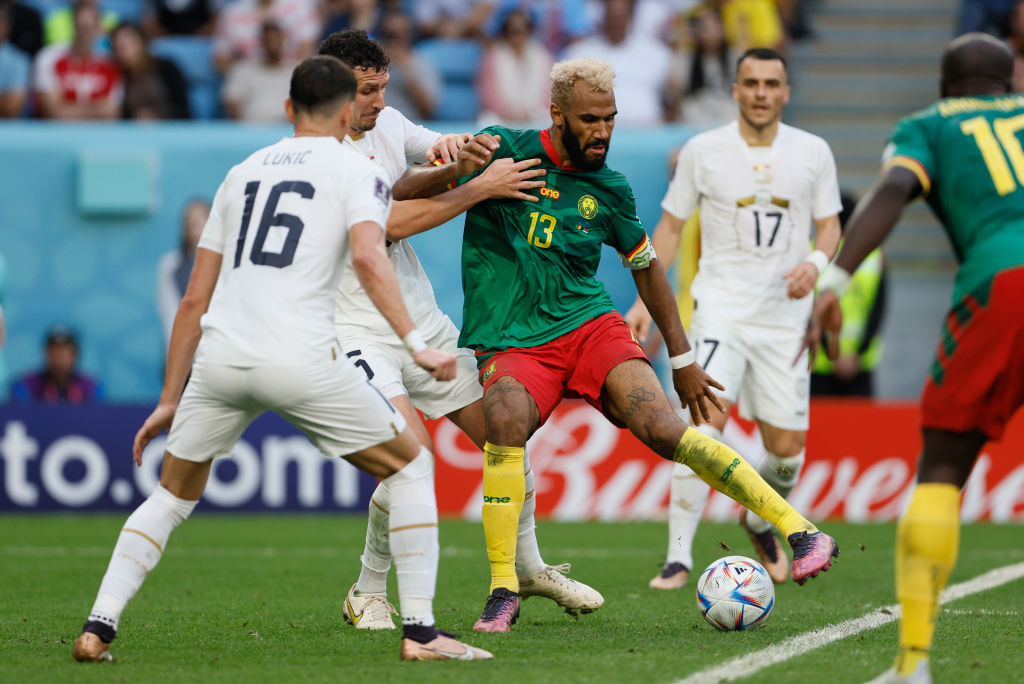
<point x="726" y="471"/>
<point x="926" y="548"/>
<point x="504" y="492"/>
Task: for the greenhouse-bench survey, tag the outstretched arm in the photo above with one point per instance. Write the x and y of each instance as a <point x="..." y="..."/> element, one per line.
<point x="504" y="178"/>
<point x="876" y="214"/>
<point x="872" y="221"/>
<point x="665" y="241"/>
<point x="430" y="179"/>
<point x="691" y="382"/>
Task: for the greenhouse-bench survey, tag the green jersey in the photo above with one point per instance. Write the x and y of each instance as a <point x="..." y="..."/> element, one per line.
<point x="528" y="269"/>
<point x="966" y="152"/>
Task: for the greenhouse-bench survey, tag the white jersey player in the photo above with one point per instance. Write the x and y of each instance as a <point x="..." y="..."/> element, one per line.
<point x="259" y="307"/>
<point x="758" y="185"/>
<point x="391" y="141"/>
<point x="392" y="144"/>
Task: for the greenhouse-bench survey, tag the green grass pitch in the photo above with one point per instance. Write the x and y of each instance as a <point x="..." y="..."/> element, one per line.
<point x="257" y="598"/>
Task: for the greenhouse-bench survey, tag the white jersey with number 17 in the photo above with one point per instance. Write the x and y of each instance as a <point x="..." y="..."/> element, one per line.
<point x="756" y="209"/>
<point x="281" y="220"/>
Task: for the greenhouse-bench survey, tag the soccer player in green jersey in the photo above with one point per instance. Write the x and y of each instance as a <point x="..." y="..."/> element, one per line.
<point x="963" y="154"/>
<point x="544" y="327"/>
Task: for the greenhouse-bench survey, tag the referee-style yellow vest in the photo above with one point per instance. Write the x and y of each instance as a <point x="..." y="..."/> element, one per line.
<point x="687" y="259"/>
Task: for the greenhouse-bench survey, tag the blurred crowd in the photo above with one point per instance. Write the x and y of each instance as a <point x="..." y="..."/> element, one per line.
<point x="483" y="60"/>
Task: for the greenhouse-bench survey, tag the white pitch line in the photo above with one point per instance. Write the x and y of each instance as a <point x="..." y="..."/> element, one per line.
<point x="747" y="665"/>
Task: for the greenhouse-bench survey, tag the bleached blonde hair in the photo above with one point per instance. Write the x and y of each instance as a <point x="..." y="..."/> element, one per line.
<point x="596" y="73"/>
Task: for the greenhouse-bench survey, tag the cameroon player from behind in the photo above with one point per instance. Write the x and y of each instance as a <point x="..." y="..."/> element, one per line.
<point x="963" y="154"/>
<point x="544" y="327"/>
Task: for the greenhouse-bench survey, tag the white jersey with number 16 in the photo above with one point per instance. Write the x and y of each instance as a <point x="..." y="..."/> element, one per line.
<point x="281" y="220"/>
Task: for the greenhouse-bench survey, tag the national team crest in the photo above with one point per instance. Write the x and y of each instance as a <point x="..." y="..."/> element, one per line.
<point x="763" y="174"/>
<point x="587" y="207"/>
<point x="490" y="369"/>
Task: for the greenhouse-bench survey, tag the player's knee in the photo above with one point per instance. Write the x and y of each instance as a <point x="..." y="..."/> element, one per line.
<point x="509" y="413"/>
<point x="507" y="428"/>
<point x="785" y="445"/>
<point x="419" y="468"/>
<point x="661" y="432"/>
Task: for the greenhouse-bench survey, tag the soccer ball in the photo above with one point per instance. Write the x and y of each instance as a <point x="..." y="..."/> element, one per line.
<point x="735" y="593"/>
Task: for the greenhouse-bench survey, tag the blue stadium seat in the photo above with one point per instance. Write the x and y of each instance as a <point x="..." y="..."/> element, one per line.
<point x="127" y="10"/>
<point x="458" y="102"/>
<point x="457" y="61"/>
<point x="204" y="101"/>
<point x="194" y="56"/>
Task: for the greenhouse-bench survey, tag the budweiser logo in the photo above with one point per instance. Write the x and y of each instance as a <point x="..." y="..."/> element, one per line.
<point x="585" y="468"/>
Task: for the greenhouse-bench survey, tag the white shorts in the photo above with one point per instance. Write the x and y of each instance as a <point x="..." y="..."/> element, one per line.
<point x="332" y="404"/>
<point x="755" y="364"/>
<point x="390" y="367"/>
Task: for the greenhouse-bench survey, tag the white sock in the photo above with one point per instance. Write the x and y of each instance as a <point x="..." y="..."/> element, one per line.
<point x="137" y="551"/>
<point x="688" y="495"/>
<point x="528" y="560"/>
<point x="413" y="535"/>
<point x="376" y="558"/>
<point x="781" y="474"/>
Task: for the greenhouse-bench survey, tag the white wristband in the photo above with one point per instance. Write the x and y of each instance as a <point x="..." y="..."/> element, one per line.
<point x="414" y="341"/>
<point x="681" y="360"/>
<point x="819" y="259"/>
<point x="836" y="278"/>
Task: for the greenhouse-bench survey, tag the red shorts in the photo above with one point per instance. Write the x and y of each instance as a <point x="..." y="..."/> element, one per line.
<point x="573" y="365"/>
<point x="977" y="378"/>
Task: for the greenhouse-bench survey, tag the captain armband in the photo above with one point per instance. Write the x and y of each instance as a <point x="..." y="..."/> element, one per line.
<point x="639" y="258"/>
<point x="453" y="184"/>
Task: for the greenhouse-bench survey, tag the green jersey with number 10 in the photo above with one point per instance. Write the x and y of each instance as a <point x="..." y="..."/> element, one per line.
<point x="966" y="152"/>
<point x="528" y="269"/>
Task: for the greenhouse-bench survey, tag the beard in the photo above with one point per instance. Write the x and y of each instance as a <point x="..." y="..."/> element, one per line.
<point x="364" y="127"/>
<point x="759" y="126"/>
<point x="576" y="156"/>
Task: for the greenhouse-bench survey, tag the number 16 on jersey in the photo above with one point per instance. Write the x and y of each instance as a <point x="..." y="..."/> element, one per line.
<point x="268" y="220"/>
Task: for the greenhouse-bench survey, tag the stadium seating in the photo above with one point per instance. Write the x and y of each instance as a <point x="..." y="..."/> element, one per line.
<point x="194" y="56"/>
<point x="127" y="10"/>
<point x="457" y="62"/>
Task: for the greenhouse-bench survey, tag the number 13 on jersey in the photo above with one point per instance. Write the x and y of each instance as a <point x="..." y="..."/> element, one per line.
<point x="547" y="223"/>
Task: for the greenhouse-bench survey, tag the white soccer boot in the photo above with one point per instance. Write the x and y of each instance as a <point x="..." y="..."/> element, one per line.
<point x="551" y="583"/>
<point x="371" y="611"/>
<point x="920" y="675"/>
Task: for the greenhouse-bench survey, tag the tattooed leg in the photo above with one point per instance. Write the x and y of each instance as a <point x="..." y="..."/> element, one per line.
<point x="632" y="395"/>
